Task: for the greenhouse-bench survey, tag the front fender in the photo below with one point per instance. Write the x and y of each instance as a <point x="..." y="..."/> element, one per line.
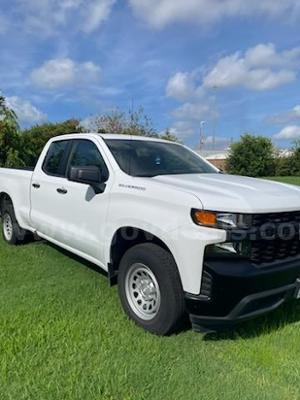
<point x="187" y="245"/>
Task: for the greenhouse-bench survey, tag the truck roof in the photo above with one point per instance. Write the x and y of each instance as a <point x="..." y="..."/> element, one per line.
<point x="127" y="137"/>
<point x="130" y="137"/>
<point x="113" y="136"/>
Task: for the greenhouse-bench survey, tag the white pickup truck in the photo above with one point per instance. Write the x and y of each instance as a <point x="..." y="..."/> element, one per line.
<point x="179" y="237"/>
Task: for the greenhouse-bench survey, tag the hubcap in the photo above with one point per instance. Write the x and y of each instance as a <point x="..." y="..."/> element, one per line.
<point x="142" y="291"/>
<point x="7" y="227"/>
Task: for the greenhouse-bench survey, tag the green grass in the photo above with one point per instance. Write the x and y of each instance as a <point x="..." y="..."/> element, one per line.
<point x="294" y="180"/>
<point x="63" y="335"/>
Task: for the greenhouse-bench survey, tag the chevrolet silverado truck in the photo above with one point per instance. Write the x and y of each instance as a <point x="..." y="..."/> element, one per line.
<point x="178" y="236"/>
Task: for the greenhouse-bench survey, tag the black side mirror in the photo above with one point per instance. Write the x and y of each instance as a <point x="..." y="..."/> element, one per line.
<point x="89" y="175"/>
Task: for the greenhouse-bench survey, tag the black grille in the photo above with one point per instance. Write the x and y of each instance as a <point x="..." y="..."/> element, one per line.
<point x="273" y="250"/>
<point x="285" y="242"/>
<point x="275" y="218"/>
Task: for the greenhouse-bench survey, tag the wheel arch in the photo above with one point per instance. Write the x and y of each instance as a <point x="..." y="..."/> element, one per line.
<point x="4" y="197"/>
<point x="125" y="238"/>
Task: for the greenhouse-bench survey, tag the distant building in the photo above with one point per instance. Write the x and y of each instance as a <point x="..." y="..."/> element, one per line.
<point x="215" y="157"/>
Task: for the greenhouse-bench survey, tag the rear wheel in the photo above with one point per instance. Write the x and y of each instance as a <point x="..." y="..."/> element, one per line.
<point x="150" y="288"/>
<point x="12" y="232"/>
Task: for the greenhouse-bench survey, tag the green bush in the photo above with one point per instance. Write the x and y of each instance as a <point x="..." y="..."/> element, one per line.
<point x="290" y="165"/>
<point x="252" y="156"/>
<point x="34" y="139"/>
<point x="295" y="159"/>
<point x="284" y="166"/>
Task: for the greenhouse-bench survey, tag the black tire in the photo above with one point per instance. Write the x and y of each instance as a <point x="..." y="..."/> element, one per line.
<point x="169" y="315"/>
<point x="18" y="234"/>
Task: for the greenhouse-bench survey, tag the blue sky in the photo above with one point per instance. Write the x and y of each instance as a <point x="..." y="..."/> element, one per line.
<point x="231" y="63"/>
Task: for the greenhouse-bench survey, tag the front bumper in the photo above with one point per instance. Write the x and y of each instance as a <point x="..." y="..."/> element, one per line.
<point x="240" y="291"/>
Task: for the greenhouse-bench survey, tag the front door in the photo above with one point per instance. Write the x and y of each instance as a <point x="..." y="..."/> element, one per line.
<point x="70" y="212"/>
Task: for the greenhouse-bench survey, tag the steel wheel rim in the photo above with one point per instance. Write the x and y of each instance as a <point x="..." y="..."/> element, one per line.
<point x="142" y="291"/>
<point x="7" y="227"/>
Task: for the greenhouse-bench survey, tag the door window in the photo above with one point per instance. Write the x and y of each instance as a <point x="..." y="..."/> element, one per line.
<point x="85" y="154"/>
<point x="55" y="161"/>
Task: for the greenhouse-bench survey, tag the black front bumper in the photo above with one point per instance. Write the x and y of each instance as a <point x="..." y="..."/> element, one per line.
<point x="240" y="291"/>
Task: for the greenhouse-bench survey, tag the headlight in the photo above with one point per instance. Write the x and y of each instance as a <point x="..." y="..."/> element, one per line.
<point x="215" y="219"/>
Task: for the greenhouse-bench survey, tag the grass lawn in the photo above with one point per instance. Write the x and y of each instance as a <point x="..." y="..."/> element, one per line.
<point x="63" y="335"/>
<point x="294" y="180"/>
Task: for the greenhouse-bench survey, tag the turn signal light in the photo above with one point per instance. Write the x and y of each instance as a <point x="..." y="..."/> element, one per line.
<point x="204" y="217"/>
<point x="220" y="219"/>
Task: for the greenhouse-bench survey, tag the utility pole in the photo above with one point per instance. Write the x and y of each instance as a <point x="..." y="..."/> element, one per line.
<point x="215" y="88"/>
<point x="202" y="138"/>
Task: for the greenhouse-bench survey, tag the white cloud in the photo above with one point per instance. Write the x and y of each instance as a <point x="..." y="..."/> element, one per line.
<point x="26" y="112"/>
<point x="186" y="129"/>
<point x="47" y="17"/>
<point x="88" y="124"/>
<point x="182" y="129"/>
<point x="64" y="72"/>
<point x="195" y="111"/>
<point x="160" y="13"/>
<point x="95" y="13"/>
<point x="181" y="86"/>
<point x="285" y="117"/>
<point x="260" y="68"/>
<point x="289" y="132"/>
<point x="266" y="55"/>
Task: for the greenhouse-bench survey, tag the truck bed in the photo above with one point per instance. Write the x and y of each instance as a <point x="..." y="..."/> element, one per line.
<point x="16" y="183"/>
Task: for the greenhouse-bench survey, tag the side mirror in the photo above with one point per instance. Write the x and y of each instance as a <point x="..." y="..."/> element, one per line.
<point x="90" y="175"/>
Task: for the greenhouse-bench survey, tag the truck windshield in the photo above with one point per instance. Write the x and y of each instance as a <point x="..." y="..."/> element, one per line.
<point x="151" y="158"/>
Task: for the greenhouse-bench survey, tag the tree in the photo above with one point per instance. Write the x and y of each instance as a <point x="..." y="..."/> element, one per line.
<point x="131" y="123"/>
<point x="252" y="156"/>
<point x="135" y="123"/>
<point x="18" y="149"/>
<point x="34" y="139"/>
<point x="290" y="164"/>
<point x="138" y="123"/>
<point x="284" y="166"/>
<point x="111" y="122"/>
<point x="294" y="159"/>
<point x="168" y="135"/>
<point x="9" y="137"/>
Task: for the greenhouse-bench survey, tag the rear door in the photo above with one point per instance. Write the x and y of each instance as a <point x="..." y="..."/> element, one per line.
<point x="71" y="212"/>
<point x="46" y="203"/>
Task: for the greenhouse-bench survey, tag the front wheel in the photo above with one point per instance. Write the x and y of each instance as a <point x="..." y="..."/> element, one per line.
<point x="150" y="288"/>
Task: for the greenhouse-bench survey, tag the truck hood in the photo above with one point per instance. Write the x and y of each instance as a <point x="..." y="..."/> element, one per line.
<point x="221" y="192"/>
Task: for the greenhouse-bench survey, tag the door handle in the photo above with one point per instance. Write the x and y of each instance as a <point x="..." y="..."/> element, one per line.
<point x="36" y="185"/>
<point x="61" y="190"/>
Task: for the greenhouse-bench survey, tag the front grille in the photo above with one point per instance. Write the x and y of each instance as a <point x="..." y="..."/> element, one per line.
<point x="275" y="218"/>
<point x="269" y="251"/>
<point x="282" y="230"/>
